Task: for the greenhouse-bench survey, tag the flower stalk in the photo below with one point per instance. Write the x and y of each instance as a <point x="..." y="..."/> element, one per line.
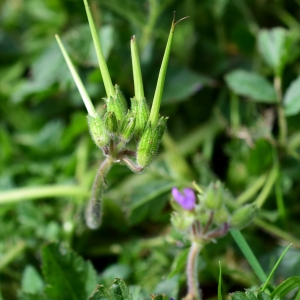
<point x="194" y="291"/>
<point x="203" y="218"/>
<point x="93" y="213"/>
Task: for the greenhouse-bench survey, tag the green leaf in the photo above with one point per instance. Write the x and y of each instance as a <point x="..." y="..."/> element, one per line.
<point x="168" y="287"/>
<point x="274" y="46"/>
<point x="119" y="290"/>
<point x="179" y="262"/>
<point x="286" y="286"/>
<point x="263" y="296"/>
<point x="243" y="245"/>
<point x="27" y="296"/>
<point x="149" y="199"/>
<point x="100" y="293"/>
<point x="275" y="267"/>
<point x="251" y="85"/>
<point x="250" y="295"/>
<point x="109" y="274"/>
<point x="291" y="99"/>
<point x="138" y="292"/>
<point x="67" y="275"/>
<point x="239" y="296"/>
<point x="31" y="281"/>
<point x="182" y="83"/>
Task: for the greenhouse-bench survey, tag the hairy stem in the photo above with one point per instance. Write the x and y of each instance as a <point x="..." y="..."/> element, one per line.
<point x="131" y="165"/>
<point x="194" y="292"/>
<point x="93" y="210"/>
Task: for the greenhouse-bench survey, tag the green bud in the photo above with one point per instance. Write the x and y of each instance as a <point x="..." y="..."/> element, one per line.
<point x="147" y="147"/>
<point x="243" y="216"/>
<point x="161" y="127"/>
<point x="127" y="127"/>
<point x="182" y="221"/>
<point x="214" y="196"/>
<point x="117" y="104"/>
<point x="121" y="99"/>
<point x="97" y="131"/>
<point x="133" y="105"/>
<point x="111" y="123"/>
<point x="221" y="216"/>
<point x="149" y="142"/>
<point x="141" y="109"/>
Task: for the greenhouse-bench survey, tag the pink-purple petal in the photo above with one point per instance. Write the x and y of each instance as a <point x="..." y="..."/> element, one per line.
<point x="186" y="200"/>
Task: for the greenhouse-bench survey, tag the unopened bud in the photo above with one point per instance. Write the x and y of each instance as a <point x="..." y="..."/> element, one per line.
<point x="149" y="142"/>
<point x="214" y="196"/>
<point x="161" y="127"/>
<point x="127" y="128"/>
<point x="221" y="216"/>
<point x="121" y="99"/>
<point x="141" y="110"/>
<point x="111" y="123"/>
<point x="243" y="216"/>
<point x="117" y="104"/>
<point x="182" y="221"/>
<point x="97" y="131"/>
<point x="147" y="147"/>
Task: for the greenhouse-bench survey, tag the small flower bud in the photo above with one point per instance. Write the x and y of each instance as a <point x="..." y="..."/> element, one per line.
<point x="111" y="123"/>
<point x="121" y="99"/>
<point x="161" y="127"/>
<point x="127" y="127"/>
<point x="243" y="216"/>
<point x="149" y="142"/>
<point x="214" y="196"/>
<point x="117" y="104"/>
<point x="147" y="147"/>
<point x="221" y="216"/>
<point x="182" y="221"/>
<point x="141" y="109"/>
<point x="97" y="131"/>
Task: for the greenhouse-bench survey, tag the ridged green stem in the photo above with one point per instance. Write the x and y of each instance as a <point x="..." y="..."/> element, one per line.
<point x="109" y="88"/>
<point x="161" y="80"/>
<point x="136" y="67"/>
<point x="84" y="95"/>
<point x="33" y="193"/>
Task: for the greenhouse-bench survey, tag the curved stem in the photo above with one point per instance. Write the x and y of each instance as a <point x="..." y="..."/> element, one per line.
<point x="194" y="291"/>
<point x="131" y="165"/>
<point x="93" y="210"/>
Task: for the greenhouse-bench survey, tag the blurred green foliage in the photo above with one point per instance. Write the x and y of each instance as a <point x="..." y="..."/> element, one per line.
<point x="225" y="123"/>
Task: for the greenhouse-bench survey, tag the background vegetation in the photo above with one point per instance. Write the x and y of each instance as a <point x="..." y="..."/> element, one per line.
<point x="48" y="161"/>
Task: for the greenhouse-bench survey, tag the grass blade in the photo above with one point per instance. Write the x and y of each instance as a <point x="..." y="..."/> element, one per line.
<point x="286" y="286"/>
<point x="275" y="267"/>
<point x="243" y="245"/>
<point x="220" y="283"/>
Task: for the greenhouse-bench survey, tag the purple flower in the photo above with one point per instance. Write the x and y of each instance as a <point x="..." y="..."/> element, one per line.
<point x="186" y="200"/>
